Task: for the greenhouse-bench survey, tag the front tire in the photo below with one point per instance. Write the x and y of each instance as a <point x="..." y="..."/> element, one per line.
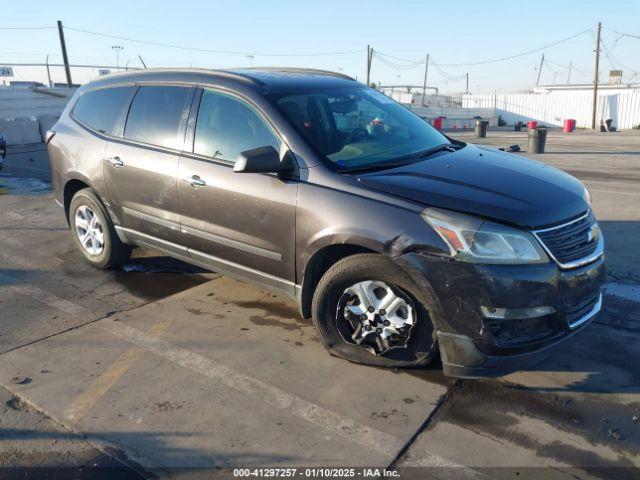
<point x="93" y="232"/>
<point x="349" y="310"/>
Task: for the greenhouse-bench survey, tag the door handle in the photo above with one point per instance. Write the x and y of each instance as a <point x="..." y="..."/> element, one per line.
<point x="195" y="181"/>
<point x="115" y="162"/>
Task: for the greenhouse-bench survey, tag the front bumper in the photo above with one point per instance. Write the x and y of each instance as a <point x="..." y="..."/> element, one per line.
<point x="472" y="345"/>
<point x="462" y="358"/>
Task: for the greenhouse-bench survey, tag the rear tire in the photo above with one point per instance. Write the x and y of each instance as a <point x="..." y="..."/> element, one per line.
<point x="330" y="319"/>
<point x="93" y="232"/>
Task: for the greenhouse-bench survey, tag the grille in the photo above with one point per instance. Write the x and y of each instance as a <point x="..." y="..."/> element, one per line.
<point x="572" y="241"/>
<point x="576" y="312"/>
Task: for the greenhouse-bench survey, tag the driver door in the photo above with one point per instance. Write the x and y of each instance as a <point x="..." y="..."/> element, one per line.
<point x="239" y="223"/>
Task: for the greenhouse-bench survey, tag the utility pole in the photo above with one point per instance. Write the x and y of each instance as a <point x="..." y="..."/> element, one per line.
<point x="49" y="72"/>
<point x="424" y="84"/>
<point x="540" y="70"/>
<point x="369" y="58"/>
<point x="466" y="90"/>
<point x="595" y="79"/>
<point x="569" y="74"/>
<point x="65" y="58"/>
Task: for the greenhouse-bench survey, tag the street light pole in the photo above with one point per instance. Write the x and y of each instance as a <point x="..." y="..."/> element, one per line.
<point x="117" y="49"/>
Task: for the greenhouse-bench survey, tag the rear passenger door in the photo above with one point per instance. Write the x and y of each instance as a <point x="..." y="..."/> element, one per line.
<point x="140" y="166"/>
<point x="239" y="223"/>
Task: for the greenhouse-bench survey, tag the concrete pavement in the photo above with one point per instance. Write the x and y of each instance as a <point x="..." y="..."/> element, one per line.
<point x="173" y="371"/>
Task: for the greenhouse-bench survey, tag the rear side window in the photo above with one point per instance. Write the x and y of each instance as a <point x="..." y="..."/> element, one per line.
<point x="155" y="115"/>
<point x="227" y="126"/>
<point x="100" y="109"/>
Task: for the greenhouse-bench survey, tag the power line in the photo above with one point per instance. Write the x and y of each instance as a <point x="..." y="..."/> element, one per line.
<point x="27" y="28"/>
<point x="613" y="61"/>
<point x="207" y="50"/>
<point x="397" y="66"/>
<point x="522" y="54"/>
<point x="446" y="76"/>
<point x="410" y="64"/>
<point x="419" y="62"/>
<point x="627" y="34"/>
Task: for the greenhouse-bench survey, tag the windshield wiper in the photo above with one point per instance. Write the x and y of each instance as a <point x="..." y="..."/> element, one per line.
<point x="374" y="166"/>
<point x="413" y="159"/>
<point x="440" y="148"/>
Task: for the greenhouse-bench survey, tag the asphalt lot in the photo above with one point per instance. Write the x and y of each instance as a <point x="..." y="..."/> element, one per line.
<point x="162" y="369"/>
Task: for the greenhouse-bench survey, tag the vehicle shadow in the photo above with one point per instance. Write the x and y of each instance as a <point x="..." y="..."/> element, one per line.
<point x="160" y="448"/>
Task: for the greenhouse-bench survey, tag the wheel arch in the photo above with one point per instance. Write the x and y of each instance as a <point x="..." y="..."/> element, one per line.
<point x="321" y="260"/>
<point x="71" y="187"/>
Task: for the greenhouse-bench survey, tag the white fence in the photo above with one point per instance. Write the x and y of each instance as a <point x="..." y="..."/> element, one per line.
<point x="554" y="107"/>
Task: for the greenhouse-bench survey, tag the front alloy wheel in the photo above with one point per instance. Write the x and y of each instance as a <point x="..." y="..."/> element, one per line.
<point x="368" y="310"/>
<point x="379" y="317"/>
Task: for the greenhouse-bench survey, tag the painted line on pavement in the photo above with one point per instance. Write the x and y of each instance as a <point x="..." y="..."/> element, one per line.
<point x="286" y="401"/>
<point x="24" y="288"/>
<point x="84" y="402"/>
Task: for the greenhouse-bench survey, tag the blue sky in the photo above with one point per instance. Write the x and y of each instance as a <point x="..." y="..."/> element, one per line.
<point x="452" y="32"/>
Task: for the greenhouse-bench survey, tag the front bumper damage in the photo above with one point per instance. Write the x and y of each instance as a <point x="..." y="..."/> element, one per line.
<point x="458" y="295"/>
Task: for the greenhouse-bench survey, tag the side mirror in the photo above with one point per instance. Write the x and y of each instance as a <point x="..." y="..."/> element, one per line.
<point x="262" y="160"/>
<point x="3" y="147"/>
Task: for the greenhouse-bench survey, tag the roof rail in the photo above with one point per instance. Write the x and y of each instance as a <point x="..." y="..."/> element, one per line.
<point x="328" y="73"/>
<point x="208" y="71"/>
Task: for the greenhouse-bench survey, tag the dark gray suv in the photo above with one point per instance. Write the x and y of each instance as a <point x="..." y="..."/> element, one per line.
<point x="398" y="241"/>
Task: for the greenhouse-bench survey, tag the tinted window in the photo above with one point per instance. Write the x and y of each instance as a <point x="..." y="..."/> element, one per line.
<point x="227" y="126"/>
<point x="154" y="116"/>
<point x="100" y="109"/>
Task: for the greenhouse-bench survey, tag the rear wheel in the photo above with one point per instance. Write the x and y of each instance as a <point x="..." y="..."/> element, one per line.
<point x="368" y="310"/>
<point x="93" y="231"/>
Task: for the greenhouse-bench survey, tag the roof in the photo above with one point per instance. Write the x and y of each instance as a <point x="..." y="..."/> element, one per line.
<point x="267" y="78"/>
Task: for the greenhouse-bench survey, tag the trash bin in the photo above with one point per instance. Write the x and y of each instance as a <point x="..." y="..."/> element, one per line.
<point x="567" y="126"/>
<point x="481" y="128"/>
<point x="607" y="124"/>
<point x="537" y="140"/>
<point x="532" y="125"/>
<point x="518" y="126"/>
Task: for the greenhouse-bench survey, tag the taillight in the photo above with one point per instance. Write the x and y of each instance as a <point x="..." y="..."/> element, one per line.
<point x="49" y="136"/>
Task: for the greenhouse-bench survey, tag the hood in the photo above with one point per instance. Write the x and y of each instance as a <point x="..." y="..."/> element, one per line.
<point x="487" y="182"/>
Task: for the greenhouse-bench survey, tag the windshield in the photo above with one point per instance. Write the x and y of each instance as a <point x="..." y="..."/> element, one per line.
<point x="358" y="128"/>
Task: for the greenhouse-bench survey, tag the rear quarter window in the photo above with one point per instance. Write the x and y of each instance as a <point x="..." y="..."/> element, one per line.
<point x="100" y="109"/>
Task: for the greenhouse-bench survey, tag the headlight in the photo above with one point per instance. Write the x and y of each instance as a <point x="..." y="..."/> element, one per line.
<point x="587" y="195"/>
<point x="474" y="240"/>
